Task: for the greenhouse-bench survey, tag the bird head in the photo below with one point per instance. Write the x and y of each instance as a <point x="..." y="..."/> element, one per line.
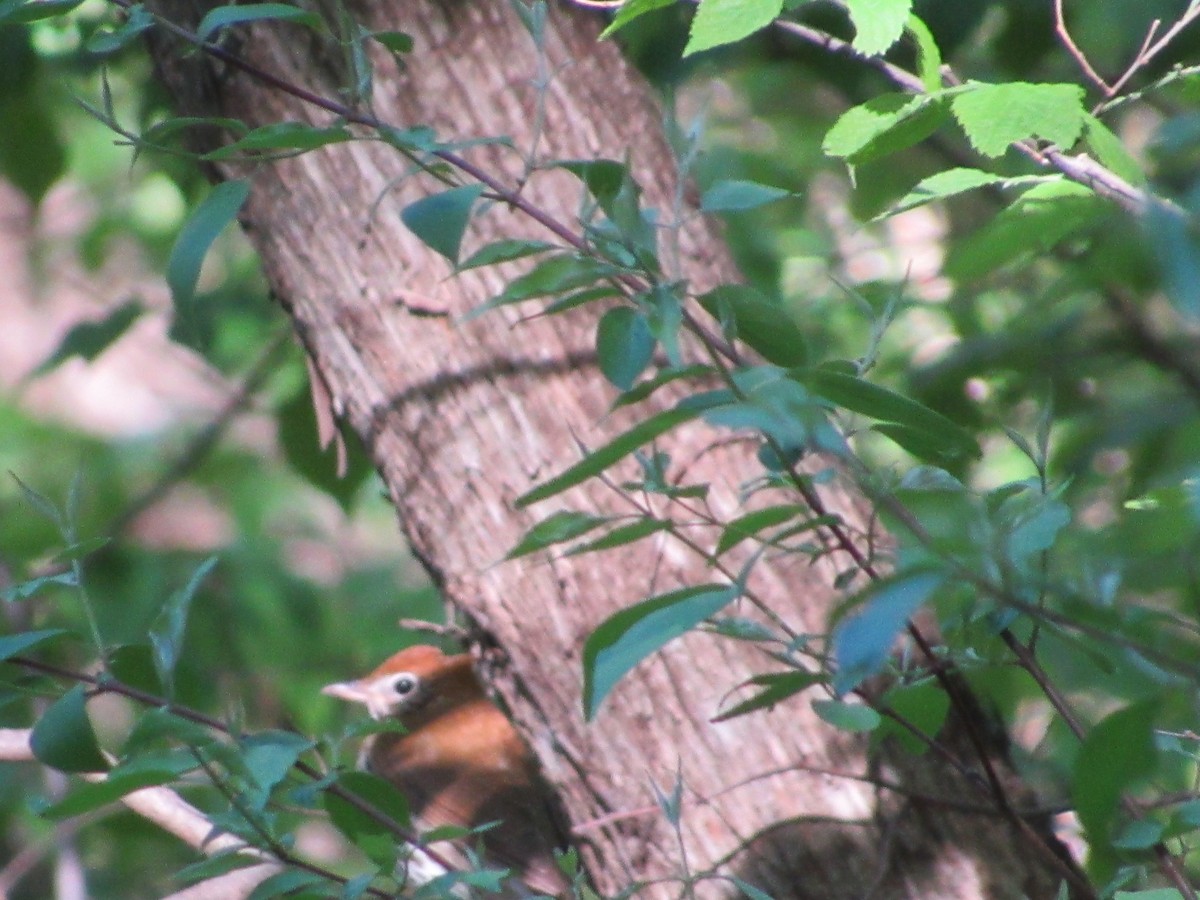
<point x="417" y="682"/>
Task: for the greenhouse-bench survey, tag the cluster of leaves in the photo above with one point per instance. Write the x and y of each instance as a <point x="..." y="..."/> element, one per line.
<point x="992" y="527"/>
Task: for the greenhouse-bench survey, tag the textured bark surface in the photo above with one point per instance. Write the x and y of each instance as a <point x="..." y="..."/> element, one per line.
<point x="461" y="417"/>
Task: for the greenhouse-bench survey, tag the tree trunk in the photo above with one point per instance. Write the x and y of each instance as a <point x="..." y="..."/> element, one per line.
<point x="461" y="417"/>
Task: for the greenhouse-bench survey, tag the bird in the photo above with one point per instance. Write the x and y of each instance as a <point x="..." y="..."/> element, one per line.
<point x="459" y="761"/>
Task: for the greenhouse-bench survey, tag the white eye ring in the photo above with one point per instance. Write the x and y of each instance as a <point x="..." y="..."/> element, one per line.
<point x="404" y="684"/>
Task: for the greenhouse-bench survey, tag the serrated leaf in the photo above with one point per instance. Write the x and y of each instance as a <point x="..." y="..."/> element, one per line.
<point x="225" y="16"/>
<point x="776" y="687"/>
<point x="885" y="124"/>
<point x="862" y="643"/>
<point x="719" y="22"/>
<point x="88" y="340"/>
<point x="631" y="635"/>
<point x="441" y="219"/>
<point x="734" y="196"/>
<point x="597" y="461"/>
<point x="624" y="345"/>
<point x="63" y="737"/>
<point x="1040" y="218"/>
<point x="208" y="220"/>
<point x="996" y="115"/>
<point x="625" y="534"/>
<point x="1117" y="753"/>
<point x="14" y="644"/>
<point x="760" y="323"/>
<point x="554" y="529"/>
<point x="951" y="183"/>
<point x="853" y="717"/>
<point x="877" y="23"/>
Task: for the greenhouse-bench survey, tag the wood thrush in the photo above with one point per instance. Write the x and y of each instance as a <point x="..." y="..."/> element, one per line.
<point x="459" y="761"/>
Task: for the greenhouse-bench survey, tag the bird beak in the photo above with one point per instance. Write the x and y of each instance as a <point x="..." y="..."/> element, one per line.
<point x="346" y="690"/>
<point x="366" y="693"/>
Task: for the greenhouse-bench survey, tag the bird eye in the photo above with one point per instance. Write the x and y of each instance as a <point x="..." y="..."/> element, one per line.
<point x="405" y="685"/>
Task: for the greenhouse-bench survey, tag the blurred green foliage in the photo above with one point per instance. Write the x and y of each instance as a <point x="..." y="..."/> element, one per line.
<point x="1089" y="340"/>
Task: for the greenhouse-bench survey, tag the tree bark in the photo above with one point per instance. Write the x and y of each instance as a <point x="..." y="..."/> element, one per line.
<point x="462" y="416"/>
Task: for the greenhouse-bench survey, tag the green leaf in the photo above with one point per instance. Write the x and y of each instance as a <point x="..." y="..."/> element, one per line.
<point x="503" y="251"/>
<point x="853" y="717"/>
<point x="208" y="220"/>
<point x="924" y="706"/>
<point x="34" y="10"/>
<point x="996" y="115"/>
<point x="665" y="376"/>
<point x="857" y="395"/>
<point x="441" y="219"/>
<point x="32" y="155"/>
<point x="719" y="22"/>
<point x="624" y="345"/>
<point x="929" y="57"/>
<point x="225" y="16"/>
<point x="298" y="432"/>
<point x="885" y="124"/>
<point x="625" y="534"/>
<point x="1110" y="151"/>
<point x="776" y="687"/>
<point x="554" y="529"/>
<point x="862" y="643"/>
<point x="555" y="275"/>
<point x="286" y="884"/>
<point x="63" y="737"/>
<point x="877" y="23"/>
<point x="13" y="644"/>
<point x="88" y="340"/>
<point x="166" y="635"/>
<point x="282" y="136"/>
<point x="598" y="460"/>
<point x="26" y="589"/>
<point x="747" y="526"/>
<point x="735" y="196"/>
<point x="270" y="755"/>
<point x="1117" y="753"/>
<point x="631" y="635"/>
<point x="107" y="41"/>
<point x="630" y="10"/>
<point x="951" y="183"/>
<point x="375" y="839"/>
<point x="1139" y="835"/>
<point x="124" y="779"/>
<point x="763" y="325"/>
<point x="1152" y="894"/>
<point x="1042" y="216"/>
<point x="394" y="41"/>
